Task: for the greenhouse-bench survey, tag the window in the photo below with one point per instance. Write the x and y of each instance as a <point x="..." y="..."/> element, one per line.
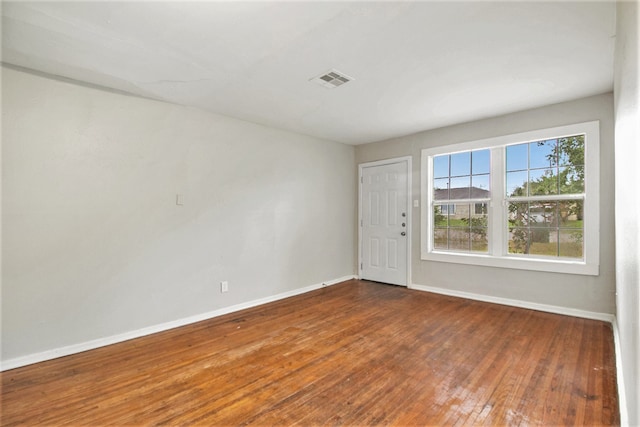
<point x="527" y="201"/>
<point x="545" y="197"/>
<point x="447" y="209"/>
<point x="480" y="208"/>
<point x="462" y="178"/>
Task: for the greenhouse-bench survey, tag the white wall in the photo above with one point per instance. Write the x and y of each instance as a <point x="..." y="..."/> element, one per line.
<point x="627" y="149"/>
<point x="94" y="244"/>
<point x="587" y="293"/>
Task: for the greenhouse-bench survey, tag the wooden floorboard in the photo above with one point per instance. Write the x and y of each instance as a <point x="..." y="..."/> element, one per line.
<point x="357" y="353"/>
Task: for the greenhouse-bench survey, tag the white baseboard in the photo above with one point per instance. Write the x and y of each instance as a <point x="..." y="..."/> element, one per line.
<point x="113" y="339"/>
<point x="518" y="303"/>
<point x="622" y="394"/>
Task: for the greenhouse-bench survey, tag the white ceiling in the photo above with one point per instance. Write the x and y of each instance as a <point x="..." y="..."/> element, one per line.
<point x="416" y="65"/>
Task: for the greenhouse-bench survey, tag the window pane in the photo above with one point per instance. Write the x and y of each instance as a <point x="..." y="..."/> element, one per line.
<point x="480" y="161"/>
<point x="542" y="154"/>
<point x="460" y="188"/>
<point x="543" y="241"/>
<point x="459" y="239"/>
<point x="543" y="214"/>
<point x="571" y="213"/>
<point x="571" y="243"/>
<point x="459" y="215"/>
<point x="441" y="166"/>
<point x="571" y="151"/>
<point x="478" y="223"/>
<point x="479" y="240"/>
<point x="571" y="180"/>
<point x="543" y="182"/>
<point x="518" y="240"/>
<point x="440" y="240"/>
<point x="441" y="189"/>
<point x="440" y="216"/>
<point x="461" y="164"/>
<point x="518" y="214"/>
<point x="517" y="157"/>
<point x="480" y="186"/>
<point x="517" y="183"/>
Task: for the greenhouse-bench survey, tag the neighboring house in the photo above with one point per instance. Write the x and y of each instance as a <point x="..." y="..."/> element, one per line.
<point x="461" y="210"/>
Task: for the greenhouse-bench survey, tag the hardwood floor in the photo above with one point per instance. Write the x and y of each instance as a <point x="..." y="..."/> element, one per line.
<point x="357" y="353"/>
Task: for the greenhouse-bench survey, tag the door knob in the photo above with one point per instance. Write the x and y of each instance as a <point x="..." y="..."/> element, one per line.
<point x="403" y="234"/>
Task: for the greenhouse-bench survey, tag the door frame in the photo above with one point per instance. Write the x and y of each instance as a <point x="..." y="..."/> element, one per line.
<point x="407" y="160"/>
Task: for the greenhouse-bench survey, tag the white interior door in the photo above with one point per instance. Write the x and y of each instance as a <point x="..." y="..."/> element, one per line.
<point x="384" y="225"/>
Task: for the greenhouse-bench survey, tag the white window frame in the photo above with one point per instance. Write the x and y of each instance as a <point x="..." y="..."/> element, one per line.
<point x="498" y="255"/>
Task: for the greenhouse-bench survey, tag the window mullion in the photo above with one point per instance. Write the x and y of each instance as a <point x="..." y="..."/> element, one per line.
<point x="554" y="197"/>
<point x="460" y="201"/>
<point x="497" y="230"/>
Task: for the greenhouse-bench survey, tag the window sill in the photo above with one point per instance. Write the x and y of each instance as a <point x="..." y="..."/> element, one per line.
<point x="518" y="263"/>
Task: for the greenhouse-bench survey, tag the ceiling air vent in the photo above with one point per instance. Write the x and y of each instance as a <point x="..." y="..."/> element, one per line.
<point x="332" y="78"/>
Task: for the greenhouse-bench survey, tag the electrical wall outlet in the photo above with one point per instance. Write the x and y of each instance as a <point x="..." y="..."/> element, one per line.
<point x="224" y="286"/>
